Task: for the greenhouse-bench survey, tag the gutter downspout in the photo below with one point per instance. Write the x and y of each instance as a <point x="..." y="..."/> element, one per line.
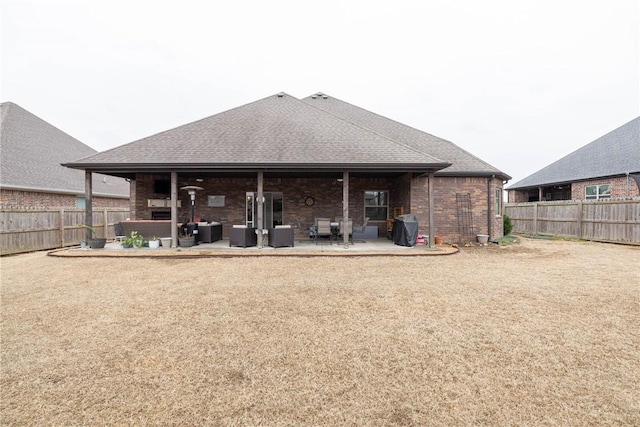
<point x="628" y="186"/>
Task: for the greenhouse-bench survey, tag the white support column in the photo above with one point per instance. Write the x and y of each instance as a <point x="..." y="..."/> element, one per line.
<point x="432" y="231"/>
<point x="345" y="206"/>
<point x="174" y="209"/>
<point x="260" y="200"/>
<point x="88" y="206"/>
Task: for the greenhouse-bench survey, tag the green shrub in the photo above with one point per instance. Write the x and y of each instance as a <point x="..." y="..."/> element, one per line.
<point x="507" y="226"/>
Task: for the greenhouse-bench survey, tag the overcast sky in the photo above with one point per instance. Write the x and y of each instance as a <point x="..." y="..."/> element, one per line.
<point x="517" y="83"/>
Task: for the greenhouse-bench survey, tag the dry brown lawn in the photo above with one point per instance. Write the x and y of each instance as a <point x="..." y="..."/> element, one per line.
<point x="540" y="333"/>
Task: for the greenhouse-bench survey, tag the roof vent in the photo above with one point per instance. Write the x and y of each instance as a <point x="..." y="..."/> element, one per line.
<point x="281" y="95"/>
<point x="319" y="94"/>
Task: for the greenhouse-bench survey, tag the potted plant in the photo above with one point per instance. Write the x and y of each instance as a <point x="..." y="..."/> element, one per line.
<point x="94" y="242"/>
<point x="135" y="240"/>
<point x="186" y="240"/>
<point x="154" y="243"/>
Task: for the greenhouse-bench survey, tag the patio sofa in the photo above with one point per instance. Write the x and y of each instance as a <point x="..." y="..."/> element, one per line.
<point x="147" y="228"/>
<point x="207" y="232"/>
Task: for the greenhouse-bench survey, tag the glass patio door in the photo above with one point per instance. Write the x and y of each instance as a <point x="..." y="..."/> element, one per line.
<point x="271" y="210"/>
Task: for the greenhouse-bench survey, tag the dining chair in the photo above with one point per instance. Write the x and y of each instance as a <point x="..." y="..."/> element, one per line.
<point x="323" y="229"/>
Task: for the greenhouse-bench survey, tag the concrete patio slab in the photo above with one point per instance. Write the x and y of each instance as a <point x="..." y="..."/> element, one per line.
<point x="302" y="248"/>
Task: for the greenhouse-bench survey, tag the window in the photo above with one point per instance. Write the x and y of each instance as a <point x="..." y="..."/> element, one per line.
<point x="376" y="205"/>
<point x="498" y="202"/>
<point x="81" y="202"/>
<point x="597" y="192"/>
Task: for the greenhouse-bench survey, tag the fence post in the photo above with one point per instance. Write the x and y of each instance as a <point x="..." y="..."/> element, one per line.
<point x="61" y="227"/>
<point x="106" y="223"/>
<point x="579" y="219"/>
<point x="535" y="218"/>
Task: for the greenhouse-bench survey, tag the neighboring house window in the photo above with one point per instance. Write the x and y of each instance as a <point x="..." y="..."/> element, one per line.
<point x="597" y="192"/>
<point x="498" y="202"/>
<point x="81" y="203"/>
<point x="376" y="205"/>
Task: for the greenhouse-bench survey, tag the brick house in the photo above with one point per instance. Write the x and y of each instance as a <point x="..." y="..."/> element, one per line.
<point x="31" y="174"/>
<point x="283" y="160"/>
<point x="607" y="168"/>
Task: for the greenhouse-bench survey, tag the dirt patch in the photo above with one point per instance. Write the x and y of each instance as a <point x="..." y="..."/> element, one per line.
<point x="544" y="332"/>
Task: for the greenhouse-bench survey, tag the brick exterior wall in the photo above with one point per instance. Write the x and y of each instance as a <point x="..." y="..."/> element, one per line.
<point x="518" y="196"/>
<point x="16" y="199"/>
<point x="621" y="187"/>
<point x="404" y="191"/>
<point x="446" y="208"/>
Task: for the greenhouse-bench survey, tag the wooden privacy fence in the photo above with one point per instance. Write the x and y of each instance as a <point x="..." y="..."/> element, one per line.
<point x="606" y="221"/>
<point x="33" y="230"/>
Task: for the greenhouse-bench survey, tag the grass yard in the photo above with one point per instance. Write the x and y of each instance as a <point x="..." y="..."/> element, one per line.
<point x="538" y="333"/>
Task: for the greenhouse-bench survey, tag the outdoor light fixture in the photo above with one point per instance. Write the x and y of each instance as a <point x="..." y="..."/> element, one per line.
<point x="192" y="194"/>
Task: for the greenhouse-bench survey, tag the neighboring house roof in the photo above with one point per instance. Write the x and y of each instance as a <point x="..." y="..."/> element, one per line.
<point x="31" y="153"/>
<point x="462" y="162"/>
<point x="616" y="153"/>
<point x="282" y="132"/>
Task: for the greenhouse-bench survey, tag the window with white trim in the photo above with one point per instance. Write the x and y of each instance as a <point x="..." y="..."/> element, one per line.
<point x="597" y="192"/>
<point x="376" y="205"/>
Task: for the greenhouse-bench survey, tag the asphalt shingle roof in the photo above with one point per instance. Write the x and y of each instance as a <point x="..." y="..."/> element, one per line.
<point x="281" y="130"/>
<point x="31" y="153"/>
<point x="615" y="153"/>
<point x="462" y="162"/>
<point x="277" y="130"/>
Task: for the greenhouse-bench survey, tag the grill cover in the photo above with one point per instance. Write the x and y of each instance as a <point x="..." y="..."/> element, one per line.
<point x="405" y="230"/>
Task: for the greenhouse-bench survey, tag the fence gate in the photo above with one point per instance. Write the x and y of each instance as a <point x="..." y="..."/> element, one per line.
<point x="465" y="216"/>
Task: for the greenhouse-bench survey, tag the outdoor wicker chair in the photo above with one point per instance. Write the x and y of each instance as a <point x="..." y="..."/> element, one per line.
<point x="281" y="235"/>
<point x="241" y="235"/>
